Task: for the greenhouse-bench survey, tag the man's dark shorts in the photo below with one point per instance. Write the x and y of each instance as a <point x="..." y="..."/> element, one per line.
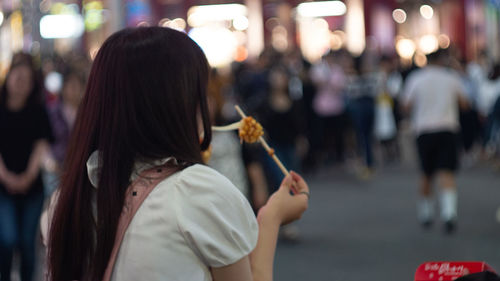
<point x="438" y="152"/>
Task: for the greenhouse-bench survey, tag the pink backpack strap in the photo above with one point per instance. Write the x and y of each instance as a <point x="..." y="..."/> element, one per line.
<point x="135" y="194"/>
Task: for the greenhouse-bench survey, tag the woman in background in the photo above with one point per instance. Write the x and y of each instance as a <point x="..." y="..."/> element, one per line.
<point x="25" y="131"/>
<point x="62" y="115"/>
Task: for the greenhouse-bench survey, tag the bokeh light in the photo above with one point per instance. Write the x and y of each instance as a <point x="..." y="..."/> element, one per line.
<point x="426" y="11"/>
<point x="444" y="41"/>
<point x="61" y="26"/>
<point x="218" y="43"/>
<point x="53" y="82"/>
<point x="201" y="15"/>
<point x="405" y="48"/>
<point x="241" y="54"/>
<point x="321" y="9"/>
<point x="143" y="23"/>
<point x="420" y="60"/>
<point x="240" y="23"/>
<point x="163" y="22"/>
<point x="399" y="15"/>
<point x="335" y="42"/>
<point x="178" y="23"/>
<point x="93" y="12"/>
<point x="428" y="44"/>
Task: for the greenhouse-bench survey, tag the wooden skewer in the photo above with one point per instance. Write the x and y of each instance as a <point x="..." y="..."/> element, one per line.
<point x="263" y="142"/>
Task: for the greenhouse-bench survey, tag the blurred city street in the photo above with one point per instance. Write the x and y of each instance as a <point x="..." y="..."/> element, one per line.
<point x="375" y="102"/>
<point x="368" y="231"/>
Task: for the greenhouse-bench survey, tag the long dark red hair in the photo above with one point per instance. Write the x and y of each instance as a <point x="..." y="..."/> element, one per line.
<point x="145" y="91"/>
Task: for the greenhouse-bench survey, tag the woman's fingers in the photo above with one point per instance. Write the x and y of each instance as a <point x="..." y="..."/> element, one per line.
<point x="287" y="183"/>
<point x="295" y="183"/>
<point x="301" y="184"/>
<point x="291" y="200"/>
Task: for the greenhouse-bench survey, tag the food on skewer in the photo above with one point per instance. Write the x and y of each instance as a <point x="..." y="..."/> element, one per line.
<point x="250" y="130"/>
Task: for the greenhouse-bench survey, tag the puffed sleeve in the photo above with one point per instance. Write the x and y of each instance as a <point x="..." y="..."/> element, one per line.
<point x="215" y="219"/>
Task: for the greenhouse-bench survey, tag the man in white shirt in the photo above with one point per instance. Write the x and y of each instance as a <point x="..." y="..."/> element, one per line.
<point x="433" y="94"/>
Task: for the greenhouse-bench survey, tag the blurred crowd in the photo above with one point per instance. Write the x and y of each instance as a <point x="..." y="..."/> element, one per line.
<point x="38" y="105"/>
<point x="350" y="113"/>
<point x="328" y="114"/>
<point x="341" y="109"/>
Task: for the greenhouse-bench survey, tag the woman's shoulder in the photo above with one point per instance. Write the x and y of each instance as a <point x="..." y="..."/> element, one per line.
<point x="199" y="169"/>
<point x="200" y="189"/>
<point x="201" y="180"/>
<point x="213" y="216"/>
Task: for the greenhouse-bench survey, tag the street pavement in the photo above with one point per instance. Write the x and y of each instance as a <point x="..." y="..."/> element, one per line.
<point x="356" y="230"/>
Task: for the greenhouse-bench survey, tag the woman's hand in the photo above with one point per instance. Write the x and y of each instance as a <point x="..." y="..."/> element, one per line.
<point x="283" y="207"/>
<point x="12" y="182"/>
<point x="21" y="183"/>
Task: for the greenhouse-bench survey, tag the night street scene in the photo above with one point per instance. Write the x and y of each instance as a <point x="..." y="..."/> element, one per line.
<point x="261" y="140"/>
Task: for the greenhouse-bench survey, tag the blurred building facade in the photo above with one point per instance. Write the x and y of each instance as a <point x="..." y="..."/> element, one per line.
<point x="231" y="30"/>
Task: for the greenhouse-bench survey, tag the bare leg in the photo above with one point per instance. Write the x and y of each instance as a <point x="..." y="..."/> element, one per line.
<point x="426" y="186"/>
<point x="425" y="206"/>
<point x="447" y="180"/>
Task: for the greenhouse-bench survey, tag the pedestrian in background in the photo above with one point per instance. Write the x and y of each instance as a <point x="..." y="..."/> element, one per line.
<point x="364" y="85"/>
<point x="62" y="115"/>
<point x="329" y="105"/>
<point x="433" y="94"/>
<point x="385" y="109"/>
<point x="490" y="101"/>
<point x="25" y="133"/>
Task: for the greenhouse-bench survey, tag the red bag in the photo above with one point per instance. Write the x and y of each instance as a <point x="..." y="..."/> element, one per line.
<point x="448" y="271"/>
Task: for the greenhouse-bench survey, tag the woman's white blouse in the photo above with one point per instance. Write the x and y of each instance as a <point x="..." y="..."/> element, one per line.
<point x="193" y="220"/>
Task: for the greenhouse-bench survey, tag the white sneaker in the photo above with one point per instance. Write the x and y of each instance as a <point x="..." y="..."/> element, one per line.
<point x="425" y="211"/>
<point x="448" y="202"/>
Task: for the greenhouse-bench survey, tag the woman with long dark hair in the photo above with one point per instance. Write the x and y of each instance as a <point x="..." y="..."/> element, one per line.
<point x="140" y="122"/>
<point x="24" y="130"/>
